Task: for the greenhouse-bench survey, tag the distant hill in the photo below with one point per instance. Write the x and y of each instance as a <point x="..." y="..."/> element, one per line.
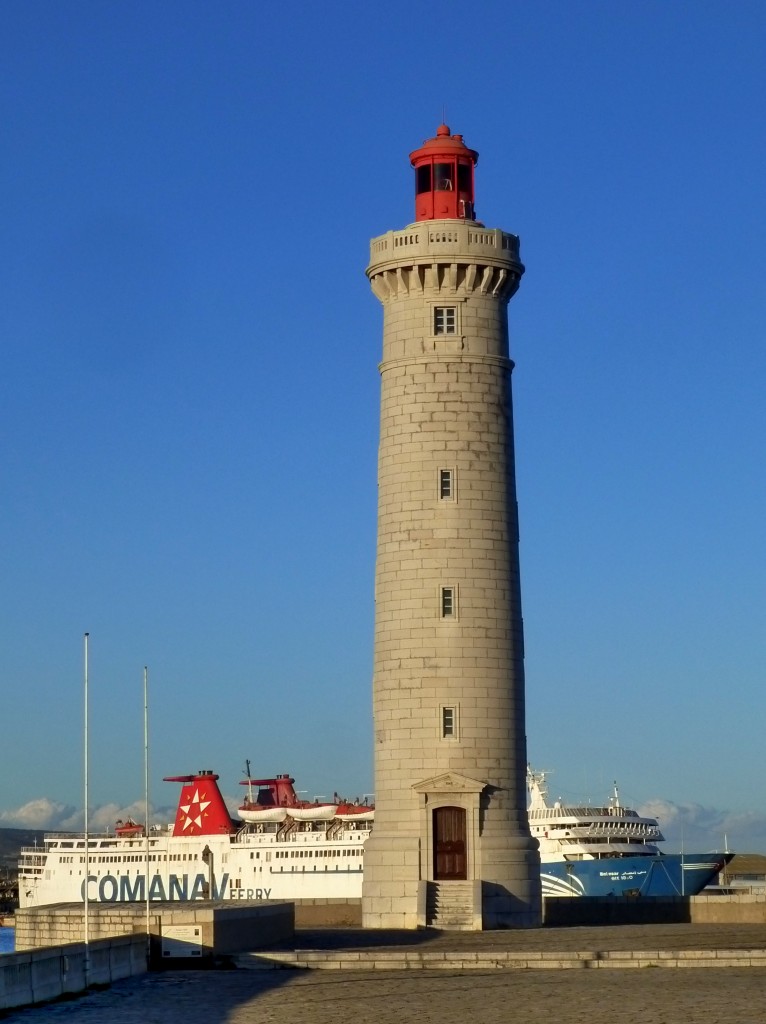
<point x="11" y="841"/>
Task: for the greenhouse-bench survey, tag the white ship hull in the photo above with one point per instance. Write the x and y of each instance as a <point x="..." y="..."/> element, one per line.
<point x="305" y="865"/>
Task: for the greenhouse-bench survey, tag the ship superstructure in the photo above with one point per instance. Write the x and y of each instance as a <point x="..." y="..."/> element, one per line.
<point x="609" y="850"/>
<point x="305" y="853"/>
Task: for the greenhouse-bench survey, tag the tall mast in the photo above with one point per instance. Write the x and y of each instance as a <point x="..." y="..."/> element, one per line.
<point x="86" y="907"/>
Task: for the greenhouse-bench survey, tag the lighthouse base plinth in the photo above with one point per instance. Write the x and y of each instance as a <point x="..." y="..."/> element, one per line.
<point x="510" y="884"/>
<point x="396" y="896"/>
<point x="392" y="893"/>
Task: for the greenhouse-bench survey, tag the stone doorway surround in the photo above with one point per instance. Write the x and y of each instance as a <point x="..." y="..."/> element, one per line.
<point x="450" y="789"/>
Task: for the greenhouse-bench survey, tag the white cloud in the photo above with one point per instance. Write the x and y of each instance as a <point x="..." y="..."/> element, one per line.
<point x="52" y="816"/>
<point x="40" y="813"/>
<point x="44" y="813"/>
<point x="708" y="828"/>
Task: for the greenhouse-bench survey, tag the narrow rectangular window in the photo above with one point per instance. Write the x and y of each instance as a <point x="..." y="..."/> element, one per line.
<point x="445" y="319"/>
<point x="445" y="483"/>
<point x="448" y="602"/>
<point x="444" y="177"/>
<point x="423" y="178"/>
<point x="448" y="722"/>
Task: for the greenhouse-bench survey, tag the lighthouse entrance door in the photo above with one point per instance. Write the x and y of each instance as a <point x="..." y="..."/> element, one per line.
<point x="449" y="844"/>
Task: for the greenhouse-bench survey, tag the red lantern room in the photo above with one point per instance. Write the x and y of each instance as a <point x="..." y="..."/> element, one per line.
<point x="444" y="178"/>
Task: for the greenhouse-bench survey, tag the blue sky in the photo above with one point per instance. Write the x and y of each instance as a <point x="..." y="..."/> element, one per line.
<point x="189" y="387"/>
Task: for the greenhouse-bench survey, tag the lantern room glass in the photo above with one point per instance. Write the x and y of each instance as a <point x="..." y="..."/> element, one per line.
<point x="444" y="177"/>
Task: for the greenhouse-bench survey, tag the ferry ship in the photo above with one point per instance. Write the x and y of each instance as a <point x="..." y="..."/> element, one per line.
<point x="609" y="850"/>
<point x="286" y="848"/>
<point x="283" y="848"/>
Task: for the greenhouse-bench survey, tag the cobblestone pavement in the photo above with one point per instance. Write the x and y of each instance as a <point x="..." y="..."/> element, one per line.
<point x="569" y="939"/>
<point x="688" y="996"/>
<point x="714" y="995"/>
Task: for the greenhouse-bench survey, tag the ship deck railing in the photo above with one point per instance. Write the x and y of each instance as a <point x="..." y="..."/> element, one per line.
<point x="582" y="812"/>
<point x="95" y="840"/>
<point x="599" y="829"/>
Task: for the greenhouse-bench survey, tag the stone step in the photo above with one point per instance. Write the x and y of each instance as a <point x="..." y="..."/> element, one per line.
<point x="401" y="959"/>
<point x="449" y="905"/>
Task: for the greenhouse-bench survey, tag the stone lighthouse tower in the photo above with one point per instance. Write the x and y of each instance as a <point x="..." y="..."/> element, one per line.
<point x="451" y="844"/>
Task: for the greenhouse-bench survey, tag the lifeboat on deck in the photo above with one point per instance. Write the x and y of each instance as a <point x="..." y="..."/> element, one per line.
<point x="313" y="812"/>
<point x="254" y="813"/>
<point x="128" y="828"/>
<point x="355" y="812"/>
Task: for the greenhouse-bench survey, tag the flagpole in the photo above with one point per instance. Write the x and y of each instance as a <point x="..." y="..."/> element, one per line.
<point x="87" y="843"/>
<point x="146" y="805"/>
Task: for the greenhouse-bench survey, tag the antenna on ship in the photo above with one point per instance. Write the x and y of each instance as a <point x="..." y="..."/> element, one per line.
<point x="146" y="807"/>
<point x="249" y="781"/>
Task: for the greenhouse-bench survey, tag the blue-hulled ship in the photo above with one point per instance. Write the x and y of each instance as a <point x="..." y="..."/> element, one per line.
<point x="610" y="850"/>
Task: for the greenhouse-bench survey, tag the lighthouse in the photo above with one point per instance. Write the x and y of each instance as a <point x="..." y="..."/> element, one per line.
<point x="451" y="847"/>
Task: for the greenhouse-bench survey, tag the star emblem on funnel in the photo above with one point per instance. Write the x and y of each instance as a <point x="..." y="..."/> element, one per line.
<point x="194" y="810"/>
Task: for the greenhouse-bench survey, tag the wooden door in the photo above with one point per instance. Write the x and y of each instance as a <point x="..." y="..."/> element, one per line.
<point x="450" y="861"/>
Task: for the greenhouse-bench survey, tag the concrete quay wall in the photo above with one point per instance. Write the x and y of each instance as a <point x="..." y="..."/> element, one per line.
<point x="560" y="911"/>
<point x="242" y="926"/>
<point x="41" y="975"/>
<point x="703" y="909"/>
<point x="328" y="913"/>
<point x="218" y="927"/>
<point x="745" y="909"/>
